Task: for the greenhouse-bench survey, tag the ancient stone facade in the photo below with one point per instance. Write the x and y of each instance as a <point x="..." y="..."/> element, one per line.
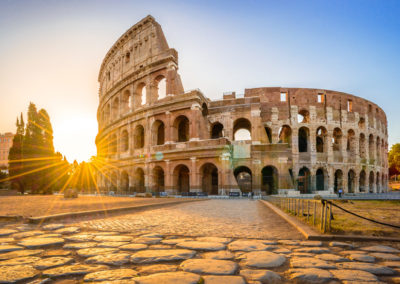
<point x="153" y="136"/>
<point x="5" y="145"/>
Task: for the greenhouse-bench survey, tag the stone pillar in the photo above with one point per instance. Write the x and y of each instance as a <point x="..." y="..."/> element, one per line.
<point x="168" y="178"/>
<point x="147" y="180"/>
<point x="331" y="179"/>
<point x="168" y="128"/>
<point x="194" y="180"/>
<point x="313" y="146"/>
<point x="256" y="177"/>
<point x="194" y="118"/>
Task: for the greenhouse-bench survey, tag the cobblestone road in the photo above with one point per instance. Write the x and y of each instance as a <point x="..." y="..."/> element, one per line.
<point x="224" y="218"/>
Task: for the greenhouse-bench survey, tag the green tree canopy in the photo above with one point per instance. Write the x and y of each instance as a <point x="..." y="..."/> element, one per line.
<point x="394" y="159"/>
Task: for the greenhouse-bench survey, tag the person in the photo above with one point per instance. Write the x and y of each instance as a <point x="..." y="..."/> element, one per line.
<point x="340" y="193"/>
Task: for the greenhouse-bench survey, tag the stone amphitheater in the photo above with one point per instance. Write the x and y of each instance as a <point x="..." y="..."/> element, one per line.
<point x="156" y="137"/>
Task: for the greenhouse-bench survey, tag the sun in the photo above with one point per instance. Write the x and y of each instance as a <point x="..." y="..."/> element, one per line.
<point x="74" y="137"/>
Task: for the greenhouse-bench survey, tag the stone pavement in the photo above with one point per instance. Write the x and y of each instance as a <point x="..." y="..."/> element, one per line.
<point x="239" y="218"/>
<point x="106" y="251"/>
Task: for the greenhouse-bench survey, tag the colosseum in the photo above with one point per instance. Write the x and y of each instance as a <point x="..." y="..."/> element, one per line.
<point x="156" y="137"/>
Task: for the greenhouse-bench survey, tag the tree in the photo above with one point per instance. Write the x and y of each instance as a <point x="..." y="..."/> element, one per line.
<point x="394" y="159"/>
<point x="15" y="157"/>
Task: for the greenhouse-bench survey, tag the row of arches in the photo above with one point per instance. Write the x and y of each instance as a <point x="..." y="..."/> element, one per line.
<point x="126" y="101"/>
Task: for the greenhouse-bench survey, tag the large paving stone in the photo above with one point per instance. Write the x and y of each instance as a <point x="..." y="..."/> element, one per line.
<point x="27" y="234"/>
<point x="110" y="275"/>
<point x="197" y="245"/>
<point x="68" y="230"/>
<point x="369" y="267"/>
<point x="361" y="257"/>
<point x="7" y="232"/>
<point x="222" y="254"/>
<point x="6" y="240"/>
<point x="262" y="259"/>
<point x="152" y="235"/>
<point x="282" y="250"/>
<point x="310" y="275"/>
<point x="151" y="256"/>
<point x="383" y="256"/>
<point x="209" y="266"/>
<point x="50" y="262"/>
<point x="80" y="238"/>
<point x="354" y="275"/>
<point x="38" y="242"/>
<point x="20" y="253"/>
<point x="226" y="279"/>
<point x="157" y="268"/>
<point x="110" y="259"/>
<point x="380" y="248"/>
<point x="261" y="275"/>
<point x="313" y="250"/>
<point x="133" y="247"/>
<point x="74" y="269"/>
<point x="20" y="260"/>
<point x="17" y="273"/>
<point x="288" y="242"/>
<point x="214" y="239"/>
<point x="159" y="246"/>
<point x="348" y="252"/>
<point x="8" y="248"/>
<point x="88" y="252"/>
<point x="80" y="245"/>
<point x="311" y="243"/>
<point x="180" y="277"/>
<point x="331" y="257"/>
<point x="53" y="227"/>
<point x="57" y="252"/>
<point x="242" y="245"/>
<point x="112" y="238"/>
<point x="310" y="262"/>
<point x="394" y="264"/>
<point x="147" y="240"/>
<point x="111" y="244"/>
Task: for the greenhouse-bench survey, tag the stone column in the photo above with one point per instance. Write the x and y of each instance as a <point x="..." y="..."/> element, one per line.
<point x="168" y="178"/>
<point x="194" y="180"/>
<point x="195" y="115"/>
<point x="168" y="128"/>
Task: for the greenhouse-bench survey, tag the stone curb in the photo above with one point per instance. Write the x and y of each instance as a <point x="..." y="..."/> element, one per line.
<point x="305" y="230"/>
<point x="310" y="234"/>
<point x="42" y="219"/>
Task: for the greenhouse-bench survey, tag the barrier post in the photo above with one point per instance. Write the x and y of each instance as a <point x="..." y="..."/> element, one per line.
<point x="322" y="215"/>
<point x="315" y="212"/>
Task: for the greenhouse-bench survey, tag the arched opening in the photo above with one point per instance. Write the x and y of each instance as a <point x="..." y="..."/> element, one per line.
<point x="371" y="182"/>
<point x="320" y="179"/>
<point x="113" y="182"/>
<point x="362" y="146"/>
<point x="371" y="147"/>
<point x="285" y="135"/>
<point x="269" y="180"/>
<point x="303" y="116"/>
<point x="141" y="94"/>
<point x="304" y="181"/>
<point x="242" y="129"/>
<point x="113" y="145"/>
<point x="181" y="127"/>
<point x="338" y="183"/>
<point x="204" y="109"/>
<point x="378" y="149"/>
<point x="362" y="180"/>
<point x="181" y="178"/>
<point x="107" y="114"/>
<point x="158" y="133"/>
<point x="361" y="123"/>
<point x="217" y="130"/>
<point x="209" y="173"/>
<point x="124" y="182"/>
<point x="321" y="140"/>
<point x="378" y="184"/>
<point x="139" y="137"/>
<point x="268" y="131"/>
<point x="243" y="178"/>
<point x="351" y="181"/>
<point x="161" y="84"/>
<point x="125" y="141"/>
<point x="115" y="108"/>
<point x="139" y="180"/>
<point x="303" y="139"/>
<point x="158" y="179"/>
<point x="125" y="101"/>
<point x="337" y="140"/>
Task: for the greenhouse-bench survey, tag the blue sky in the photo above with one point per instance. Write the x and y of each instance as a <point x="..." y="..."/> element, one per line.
<point x="51" y="51"/>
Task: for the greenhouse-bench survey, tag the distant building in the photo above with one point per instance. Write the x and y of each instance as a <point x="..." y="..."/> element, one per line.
<point x="5" y="145"/>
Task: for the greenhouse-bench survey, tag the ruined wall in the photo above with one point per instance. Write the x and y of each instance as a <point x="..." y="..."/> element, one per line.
<point x="155" y="137"/>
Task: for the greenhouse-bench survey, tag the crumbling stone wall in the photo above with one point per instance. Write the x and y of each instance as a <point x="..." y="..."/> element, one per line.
<point x="155" y="137"/>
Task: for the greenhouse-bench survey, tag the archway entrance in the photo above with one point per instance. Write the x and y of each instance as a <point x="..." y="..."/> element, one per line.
<point x="304" y="182"/>
<point x="124" y="182"/>
<point x="243" y="178"/>
<point x="139" y="180"/>
<point x="320" y="180"/>
<point x="351" y="181"/>
<point x="269" y="182"/>
<point x="158" y="179"/>
<point x="338" y="183"/>
<point x="181" y="178"/>
<point x="209" y="173"/>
